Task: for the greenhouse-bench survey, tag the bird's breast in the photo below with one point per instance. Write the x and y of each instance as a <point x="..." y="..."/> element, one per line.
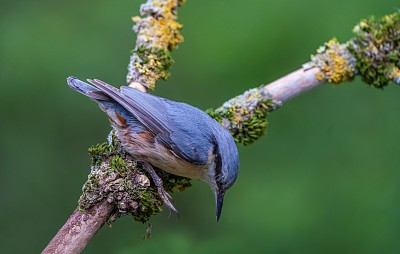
<point x="142" y="146"/>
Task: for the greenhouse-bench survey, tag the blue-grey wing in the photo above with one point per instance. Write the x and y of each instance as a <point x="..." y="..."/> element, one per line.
<point x="180" y="126"/>
<point x="190" y="130"/>
<point x="169" y="121"/>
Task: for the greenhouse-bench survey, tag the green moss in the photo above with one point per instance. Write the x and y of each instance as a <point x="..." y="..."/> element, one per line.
<point x="114" y="176"/>
<point x="252" y="128"/>
<point x="154" y="62"/>
<point x="245" y="123"/>
<point x="149" y="206"/>
<point x="217" y="117"/>
<point x="377" y="49"/>
<point x="98" y="151"/>
<point x="119" y="165"/>
<point x="174" y="183"/>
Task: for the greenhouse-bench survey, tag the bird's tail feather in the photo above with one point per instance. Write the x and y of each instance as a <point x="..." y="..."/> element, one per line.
<point x="86" y="89"/>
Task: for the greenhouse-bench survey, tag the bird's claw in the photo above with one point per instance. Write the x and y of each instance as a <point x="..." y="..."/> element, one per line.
<point x="165" y="196"/>
<point x="167" y="199"/>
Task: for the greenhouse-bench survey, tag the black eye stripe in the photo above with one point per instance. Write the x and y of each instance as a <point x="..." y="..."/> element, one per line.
<point x="218" y="166"/>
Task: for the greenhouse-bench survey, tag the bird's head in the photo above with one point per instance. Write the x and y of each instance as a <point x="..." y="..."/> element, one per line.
<point x="224" y="169"/>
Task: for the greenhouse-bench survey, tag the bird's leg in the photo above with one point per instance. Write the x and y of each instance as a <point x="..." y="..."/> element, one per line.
<point x="165" y="196"/>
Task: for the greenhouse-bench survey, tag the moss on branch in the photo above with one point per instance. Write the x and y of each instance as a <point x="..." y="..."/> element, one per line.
<point x="157" y="35"/>
<point x="245" y="116"/>
<point x="335" y="61"/>
<point x="374" y="54"/>
<point x="377" y="49"/>
<point x="119" y="179"/>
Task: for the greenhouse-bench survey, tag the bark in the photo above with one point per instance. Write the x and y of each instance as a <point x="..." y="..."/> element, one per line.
<point x="79" y="229"/>
<point x="293" y="84"/>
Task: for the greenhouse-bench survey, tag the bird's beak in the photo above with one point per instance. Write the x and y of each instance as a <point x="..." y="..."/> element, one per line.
<point x="219" y="198"/>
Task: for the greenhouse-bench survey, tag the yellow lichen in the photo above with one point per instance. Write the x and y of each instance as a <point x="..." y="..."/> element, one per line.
<point x="320" y="76"/>
<point x="157" y="35"/>
<point x="335" y="62"/>
<point x="395" y="73"/>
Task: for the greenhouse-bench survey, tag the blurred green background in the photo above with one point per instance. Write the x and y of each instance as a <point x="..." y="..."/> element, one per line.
<point x="324" y="180"/>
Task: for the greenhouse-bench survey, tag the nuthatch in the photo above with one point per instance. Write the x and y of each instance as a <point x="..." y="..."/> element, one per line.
<point x="172" y="136"/>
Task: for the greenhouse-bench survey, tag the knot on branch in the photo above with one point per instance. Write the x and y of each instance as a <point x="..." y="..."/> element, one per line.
<point x="245" y="116"/>
<point x="157" y="35"/>
<point x="377" y="49"/>
<point x="335" y="62"/>
<point x="120" y="180"/>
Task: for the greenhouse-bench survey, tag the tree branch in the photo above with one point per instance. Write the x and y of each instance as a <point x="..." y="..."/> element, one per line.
<point x="79" y="229"/>
<point x="293" y="84"/>
<point x="374" y="54"/>
<point x="157" y="35"/>
<point x="117" y="185"/>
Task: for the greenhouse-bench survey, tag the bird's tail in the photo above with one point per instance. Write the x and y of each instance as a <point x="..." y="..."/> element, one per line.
<point x="87" y="90"/>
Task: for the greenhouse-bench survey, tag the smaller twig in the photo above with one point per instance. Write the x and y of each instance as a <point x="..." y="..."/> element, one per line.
<point x="79" y="229"/>
<point x="245" y="115"/>
<point x="374" y="54"/>
<point x="157" y="35"/>
<point x="293" y="84"/>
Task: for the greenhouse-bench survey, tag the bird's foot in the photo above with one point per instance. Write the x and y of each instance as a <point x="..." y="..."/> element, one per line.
<point x="165" y="196"/>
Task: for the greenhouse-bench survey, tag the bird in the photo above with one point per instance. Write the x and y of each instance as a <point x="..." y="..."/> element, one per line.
<point x="172" y="136"/>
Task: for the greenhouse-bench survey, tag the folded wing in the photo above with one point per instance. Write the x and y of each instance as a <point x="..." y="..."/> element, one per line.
<point x="173" y="124"/>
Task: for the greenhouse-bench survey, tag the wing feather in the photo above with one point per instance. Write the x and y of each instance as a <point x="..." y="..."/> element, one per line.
<point x="153" y="112"/>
